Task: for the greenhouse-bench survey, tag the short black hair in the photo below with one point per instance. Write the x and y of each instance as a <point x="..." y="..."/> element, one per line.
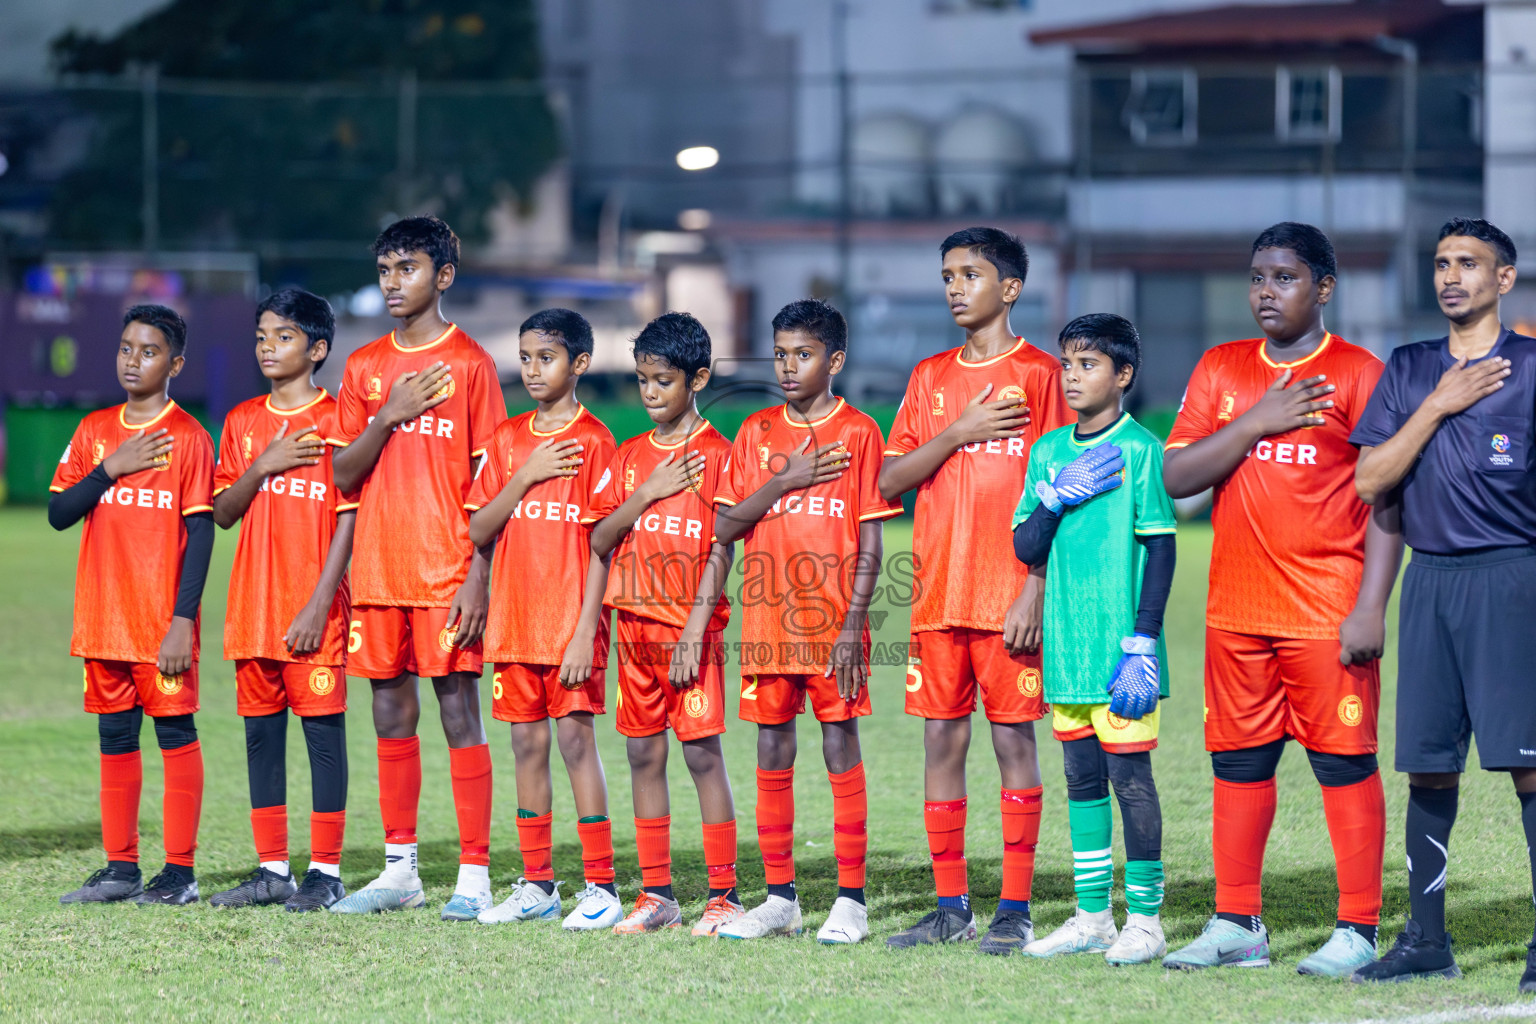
<point x="1475" y="227"/>
<point x="999" y="248"/>
<point x="420" y="234"/>
<point x="306" y="311"/>
<point x="821" y="320"/>
<point x="163" y="319"/>
<point x="1309" y="244"/>
<point x="1109" y="333"/>
<point x="566" y="325"/>
<point x="676" y="339"/>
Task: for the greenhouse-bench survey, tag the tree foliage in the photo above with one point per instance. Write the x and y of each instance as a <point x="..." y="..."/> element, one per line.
<point x="312" y="150"/>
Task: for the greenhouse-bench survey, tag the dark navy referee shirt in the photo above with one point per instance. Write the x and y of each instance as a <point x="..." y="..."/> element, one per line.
<point x="1474" y="484"/>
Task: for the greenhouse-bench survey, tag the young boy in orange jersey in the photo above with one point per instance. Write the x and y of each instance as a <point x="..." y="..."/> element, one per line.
<point x="141" y="476"/>
<point x="285" y="626"/>
<point x="654" y="510"/>
<point x="802" y="491"/>
<point x="1301" y="570"/>
<point x="962" y="438"/>
<point x="547" y="637"/>
<point x="414" y="415"/>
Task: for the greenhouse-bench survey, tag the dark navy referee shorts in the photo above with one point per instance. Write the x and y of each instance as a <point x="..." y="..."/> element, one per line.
<point x="1466" y="661"/>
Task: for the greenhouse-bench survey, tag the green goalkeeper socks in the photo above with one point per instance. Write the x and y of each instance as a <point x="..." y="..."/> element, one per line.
<point x="1092" y="823"/>
<point x="1144" y="886"/>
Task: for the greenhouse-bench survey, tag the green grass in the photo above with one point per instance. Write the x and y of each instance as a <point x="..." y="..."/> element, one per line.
<point x="129" y="963"/>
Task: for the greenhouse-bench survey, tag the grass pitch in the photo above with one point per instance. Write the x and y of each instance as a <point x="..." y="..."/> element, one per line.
<point x="130" y="963"/>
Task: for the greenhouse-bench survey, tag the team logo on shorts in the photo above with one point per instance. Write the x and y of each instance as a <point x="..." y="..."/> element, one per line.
<point x="1501" y="443"/>
<point x="1012" y="393"/>
<point x="375" y="389"/>
<point x="322" y="681"/>
<point x="1029" y="682"/>
<point x="1351" y="710"/>
<point x="1116" y="722"/>
<point x="445" y="638"/>
<point x="446" y="391"/>
<point x="938" y="403"/>
<point x="98" y="452"/>
<point x="695" y="703"/>
<point x="168" y="685"/>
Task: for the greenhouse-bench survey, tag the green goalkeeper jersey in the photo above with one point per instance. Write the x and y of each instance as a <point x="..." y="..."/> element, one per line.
<point x="1093" y="579"/>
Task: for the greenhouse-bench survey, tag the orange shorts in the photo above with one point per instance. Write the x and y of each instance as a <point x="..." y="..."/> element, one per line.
<point x="947" y="667"/>
<point x="113" y="686"/>
<point x="532" y="693"/>
<point x="1259" y="689"/>
<point x="774" y="700"/>
<point x="648" y="702"/>
<point x="265" y="687"/>
<point x="383" y="643"/>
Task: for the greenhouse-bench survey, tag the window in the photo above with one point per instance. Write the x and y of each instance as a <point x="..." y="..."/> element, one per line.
<point x="1307" y="104"/>
<point x="1162" y="107"/>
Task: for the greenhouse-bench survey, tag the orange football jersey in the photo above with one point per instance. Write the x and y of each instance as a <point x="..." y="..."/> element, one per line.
<point x="544" y="551"/>
<point x="798" y="561"/>
<point x="134" y="539"/>
<point x="1290" y="530"/>
<point x="285" y="535"/>
<point x="966" y="574"/>
<point x="655" y="569"/>
<point x="411" y="547"/>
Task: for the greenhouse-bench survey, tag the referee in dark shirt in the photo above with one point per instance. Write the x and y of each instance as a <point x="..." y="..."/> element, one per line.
<point x="1451" y="424"/>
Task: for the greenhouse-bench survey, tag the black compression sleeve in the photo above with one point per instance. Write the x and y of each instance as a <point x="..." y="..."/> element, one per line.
<point x="1032" y="538"/>
<point x="194" y="565"/>
<point x="68" y="507"/>
<point x="1156" y="582"/>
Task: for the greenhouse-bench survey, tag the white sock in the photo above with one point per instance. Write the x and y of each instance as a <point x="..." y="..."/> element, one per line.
<point x="334" y="870"/>
<point x="277" y="867"/>
<point x="474" y="879"/>
<point x="400" y="860"/>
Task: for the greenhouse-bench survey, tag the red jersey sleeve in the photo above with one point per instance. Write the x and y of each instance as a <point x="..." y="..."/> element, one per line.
<point x="1195" y="419"/>
<point x="1048" y="409"/>
<point x="487" y="408"/>
<point x="231" y="466"/>
<point x="904" y="436"/>
<point x="733" y="484"/>
<point x="492" y="476"/>
<point x="867" y="455"/>
<point x="343" y="501"/>
<point x="75" y="464"/>
<point x="351" y="410"/>
<point x="607" y="495"/>
<point x="600" y="451"/>
<point x="1360" y="392"/>
<point x="197" y="476"/>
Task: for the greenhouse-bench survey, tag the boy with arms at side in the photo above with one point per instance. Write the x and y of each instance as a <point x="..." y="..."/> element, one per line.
<point x="654" y="510"/>
<point x="1301" y="571"/>
<point x="414" y="415"/>
<point x="802" y="491"/>
<point x="1111" y="552"/>
<point x="141" y="476"/>
<point x="962" y="438"/>
<point x="547" y="636"/>
<point x="286" y="624"/>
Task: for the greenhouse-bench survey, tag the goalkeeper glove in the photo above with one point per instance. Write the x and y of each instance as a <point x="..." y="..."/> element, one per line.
<point x="1091" y="473"/>
<point x="1133" y="687"/>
